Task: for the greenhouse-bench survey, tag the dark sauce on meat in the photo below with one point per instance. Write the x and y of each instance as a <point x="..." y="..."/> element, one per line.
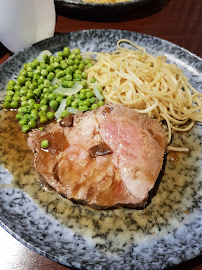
<point x="100" y="150"/>
<point x="67" y="121"/>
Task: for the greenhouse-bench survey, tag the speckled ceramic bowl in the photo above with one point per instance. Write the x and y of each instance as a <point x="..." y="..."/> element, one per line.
<point x="105" y="11"/>
<point x="167" y="232"/>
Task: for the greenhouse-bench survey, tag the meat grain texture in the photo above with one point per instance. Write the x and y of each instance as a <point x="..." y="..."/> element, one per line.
<point x="121" y="175"/>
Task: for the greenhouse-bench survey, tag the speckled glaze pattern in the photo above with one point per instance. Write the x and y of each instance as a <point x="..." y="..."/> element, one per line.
<point x="167" y="232"/>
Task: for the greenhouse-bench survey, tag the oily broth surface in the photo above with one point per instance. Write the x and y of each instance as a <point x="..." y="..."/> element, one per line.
<point x="110" y="230"/>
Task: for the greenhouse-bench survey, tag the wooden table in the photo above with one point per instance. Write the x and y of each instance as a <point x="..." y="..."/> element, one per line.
<point x="178" y="21"/>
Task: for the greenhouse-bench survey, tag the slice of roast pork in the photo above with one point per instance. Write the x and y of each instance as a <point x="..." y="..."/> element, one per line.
<point x="104" y="158"/>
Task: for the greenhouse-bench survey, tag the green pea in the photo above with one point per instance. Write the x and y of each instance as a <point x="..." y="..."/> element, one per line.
<point x="20" y="110"/>
<point x="66" y="51"/>
<point x="65" y="83"/>
<point x="43" y="102"/>
<point x="63" y="65"/>
<point x="88" y="61"/>
<point x="70" y="84"/>
<point x="34" y="117"/>
<point x="74" y="104"/>
<point x="27" y="84"/>
<point x="50" y="115"/>
<point x="50" y="68"/>
<point x="92" y="100"/>
<point x="94" y="106"/>
<point x="53" y="104"/>
<point x="51" y="76"/>
<point x="58" y="59"/>
<point x="80" y="103"/>
<point x="62" y="79"/>
<point x="45" y="90"/>
<point x="47" y="83"/>
<point x="25" y="128"/>
<point x="84" y="84"/>
<point x="84" y="108"/>
<point x="81" y="66"/>
<point x="70" y="62"/>
<point x="11" y="82"/>
<point x="68" y="77"/>
<point x="37" y="106"/>
<point x="76" y="51"/>
<point x="93" y="80"/>
<point x="72" y="56"/>
<point x="6" y="105"/>
<point x="27" y="109"/>
<point x="44" y="72"/>
<point x="60" y="74"/>
<point x="37" y="70"/>
<point x="43" y="119"/>
<point x="56" y="65"/>
<point x="17" y="87"/>
<point x="31" y="102"/>
<point x="10" y="93"/>
<point x="29" y="68"/>
<point x="21" y="79"/>
<point x="44" y="108"/>
<point x="18" y="116"/>
<point x="60" y="54"/>
<point x="82" y="96"/>
<point x="71" y="98"/>
<point x="52" y="96"/>
<point x="41" y="128"/>
<point x="8" y="98"/>
<point x="64" y="114"/>
<point x="23" y="122"/>
<point x="68" y="102"/>
<point x="30" y="74"/>
<point x="34" y="112"/>
<point x="23" y="73"/>
<point x="30" y="95"/>
<point x="42" y="65"/>
<point x="100" y="103"/>
<point x="79" y="57"/>
<point x="42" y="113"/>
<point x="45" y="144"/>
<point x="68" y="71"/>
<point x="90" y="94"/>
<point x="87" y="102"/>
<point x="9" y="87"/>
<point x="24" y="103"/>
<point x="89" y="65"/>
<point x="33" y="85"/>
<point x="77" y="77"/>
<point x="77" y="61"/>
<point x="32" y="124"/>
<point x="40" y="80"/>
<point x="84" y="75"/>
<point x="46" y="96"/>
<point x="59" y="99"/>
<point x="41" y="86"/>
<point x="37" y="92"/>
<point x="17" y="98"/>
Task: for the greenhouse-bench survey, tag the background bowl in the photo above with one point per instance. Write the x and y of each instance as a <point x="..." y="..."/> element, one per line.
<point x="108" y="12"/>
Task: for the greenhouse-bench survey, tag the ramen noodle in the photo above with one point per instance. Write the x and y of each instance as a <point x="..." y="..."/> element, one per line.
<point x="149" y="85"/>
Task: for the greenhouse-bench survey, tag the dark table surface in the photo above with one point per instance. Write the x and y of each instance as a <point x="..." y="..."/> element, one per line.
<point x="178" y="21"/>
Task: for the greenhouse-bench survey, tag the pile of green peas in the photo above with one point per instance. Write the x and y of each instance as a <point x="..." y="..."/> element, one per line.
<point x="33" y="96"/>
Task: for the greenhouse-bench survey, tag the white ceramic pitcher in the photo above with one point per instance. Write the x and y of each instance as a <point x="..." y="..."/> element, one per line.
<point x="24" y="22"/>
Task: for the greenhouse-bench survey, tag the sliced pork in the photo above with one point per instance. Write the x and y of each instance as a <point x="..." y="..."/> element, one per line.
<point x="107" y="157"/>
